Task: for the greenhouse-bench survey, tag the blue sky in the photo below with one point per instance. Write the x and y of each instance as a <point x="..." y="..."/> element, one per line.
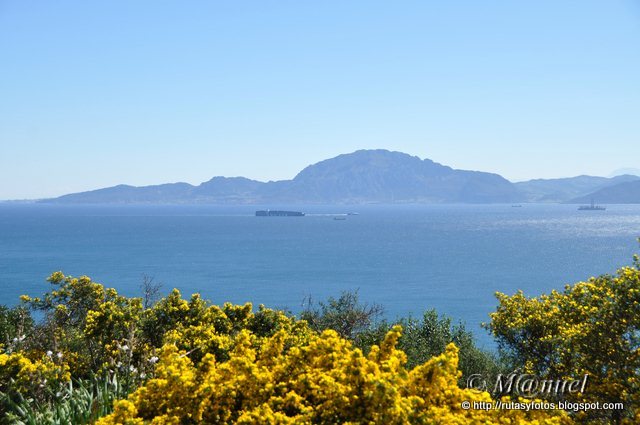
<point x="94" y="94"/>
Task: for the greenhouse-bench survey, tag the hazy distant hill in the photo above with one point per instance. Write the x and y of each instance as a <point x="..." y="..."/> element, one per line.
<point x="383" y="176"/>
<point x="362" y="176"/>
<point x="623" y="171"/>
<point x="623" y="193"/>
<point x="365" y="176"/>
<point x="562" y="190"/>
<point x="125" y="194"/>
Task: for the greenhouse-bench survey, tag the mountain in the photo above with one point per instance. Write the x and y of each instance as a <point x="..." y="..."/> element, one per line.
<point x="562" y="190"/>
<point x="383" y="176"/>
<point x="227" y="190"/>
<point x="125" y="194"/>
<point x="623" y="171"/>
<point x="364" y="176"/>
<point x="360" y="177"/>
<point x="623" y="193"/>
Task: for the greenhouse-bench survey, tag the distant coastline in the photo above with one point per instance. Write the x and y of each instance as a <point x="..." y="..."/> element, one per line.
<point x="370" y="177"/>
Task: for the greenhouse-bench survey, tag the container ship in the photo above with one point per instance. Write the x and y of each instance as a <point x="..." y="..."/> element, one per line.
<point x="278" y="213"/>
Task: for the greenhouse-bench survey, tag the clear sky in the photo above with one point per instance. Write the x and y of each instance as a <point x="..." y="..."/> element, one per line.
<point x="96" y="93"/>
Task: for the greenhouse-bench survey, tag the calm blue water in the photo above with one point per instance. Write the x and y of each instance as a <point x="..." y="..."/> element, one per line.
<point x="407" y="258"/>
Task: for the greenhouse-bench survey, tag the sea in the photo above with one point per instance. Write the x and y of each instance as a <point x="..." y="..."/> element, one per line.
<point x="407" y="258"/>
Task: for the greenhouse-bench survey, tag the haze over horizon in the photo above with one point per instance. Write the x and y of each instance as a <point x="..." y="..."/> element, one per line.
<point x="93" y="95"/>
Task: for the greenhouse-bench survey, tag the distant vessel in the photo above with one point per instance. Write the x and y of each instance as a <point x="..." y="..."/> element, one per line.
<point x="592" y="207"/>
<point x="516" y="206"/>
<point x="339" y="218"/>
<point x="278" y="213"/>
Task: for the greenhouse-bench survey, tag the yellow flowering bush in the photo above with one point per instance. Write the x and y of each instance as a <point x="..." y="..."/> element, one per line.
<point x="187" y="361"/>
<point x="199" y="327"/>
<point x="84" y="318"/>
<point x="591" y="327"/>
<point x="24" y="375"/>
<point x="324" y="380"/>
<point x="102" y="331"/>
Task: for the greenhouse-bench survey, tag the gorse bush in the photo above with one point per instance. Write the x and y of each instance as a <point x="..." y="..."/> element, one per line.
<point x="323" y="381"/>
<point x="591" y="328"/>
<point x="95" y="355"/>
<point x="91" y="333"/>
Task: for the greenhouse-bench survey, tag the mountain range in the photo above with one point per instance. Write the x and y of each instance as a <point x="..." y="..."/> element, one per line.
<point x="623" y="193"/>
<point x="371" y="176"/>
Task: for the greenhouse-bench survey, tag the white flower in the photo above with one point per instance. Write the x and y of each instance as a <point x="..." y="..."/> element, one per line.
<point x="59" y="355"/>
<point x="153" y="360"/>
<point x="132" y="369"/>
<point x="22" y="337"/>
<point x="119" y="364"/>
<point x="15" y="339"/>
<point x="124" y="347"/>
<point x="143" y="375"/>
<point x="49" y="353"/>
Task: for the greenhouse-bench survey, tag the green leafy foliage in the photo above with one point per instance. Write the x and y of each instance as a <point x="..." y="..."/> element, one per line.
<point x="15" y="324"/>
<point x="78" y="403"/>
<point x="421" y="339"/>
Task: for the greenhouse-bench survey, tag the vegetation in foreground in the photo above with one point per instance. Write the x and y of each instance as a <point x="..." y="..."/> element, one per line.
<point x="97" y="356"/>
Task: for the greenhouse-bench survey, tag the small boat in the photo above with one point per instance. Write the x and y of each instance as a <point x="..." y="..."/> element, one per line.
<point x="592" y="207"/>
<point x="516" y="206"/>
<point x="339" y="218"/>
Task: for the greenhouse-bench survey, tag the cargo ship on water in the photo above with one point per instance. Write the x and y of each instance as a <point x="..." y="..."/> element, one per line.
<point x="279" y="213"/>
